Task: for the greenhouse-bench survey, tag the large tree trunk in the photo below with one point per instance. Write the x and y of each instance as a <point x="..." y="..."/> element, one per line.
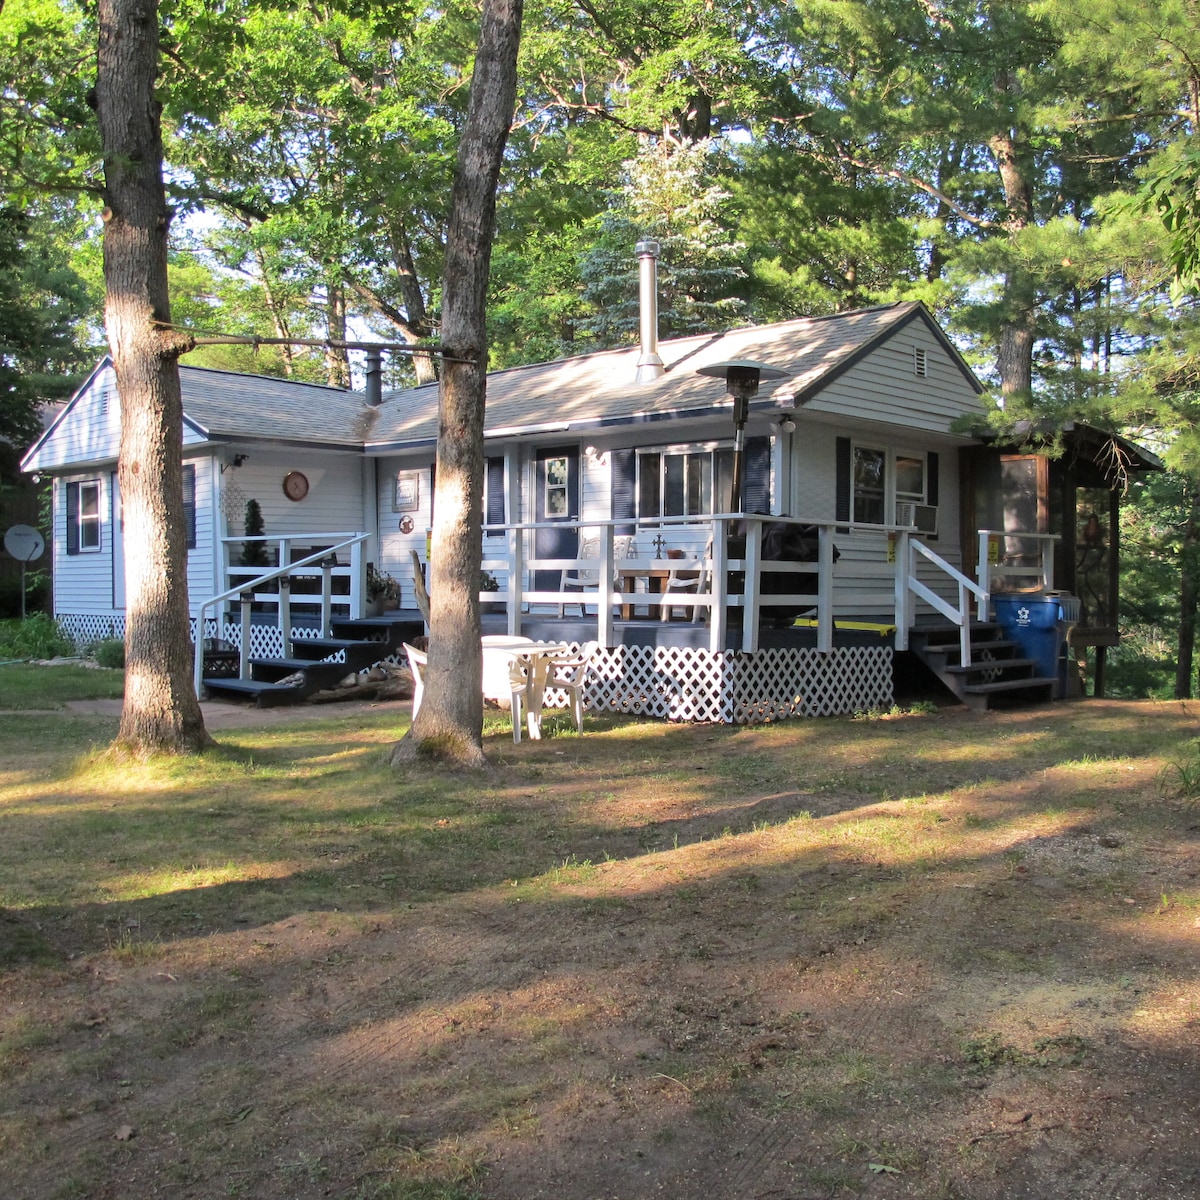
<point x="161" y="712"/>
<point x="450" y="723"/>
<point x="1188" y="556"/>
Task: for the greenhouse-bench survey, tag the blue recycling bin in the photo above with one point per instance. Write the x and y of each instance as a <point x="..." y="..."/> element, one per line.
<point x="1036" y="622"/>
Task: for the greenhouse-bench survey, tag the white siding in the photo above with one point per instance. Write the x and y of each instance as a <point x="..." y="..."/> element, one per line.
<point x="202" y="563"/>
<point x="333" y="503"/>
<point x="884" y="387"/>
<point x="394" y="546"/>
<point x="83" y="583"/>
<point x="89" y="429"/>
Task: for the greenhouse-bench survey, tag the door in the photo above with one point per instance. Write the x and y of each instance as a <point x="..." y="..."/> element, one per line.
<point x="556" y="498"/>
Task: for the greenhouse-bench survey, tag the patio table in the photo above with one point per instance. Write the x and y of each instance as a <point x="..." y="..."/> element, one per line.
<point x="537" y="658"/>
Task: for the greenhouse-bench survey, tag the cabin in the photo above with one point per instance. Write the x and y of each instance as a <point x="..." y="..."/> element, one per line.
<point x="736" y="559"/>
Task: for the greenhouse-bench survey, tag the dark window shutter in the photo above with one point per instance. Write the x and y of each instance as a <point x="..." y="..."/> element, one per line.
<point x="495" y="496"/>
<point x="623" y="469"/>
<point x="931" y="478"/>
<point x="189" y="503"/>
<point x="841" y="455"/>
<point x="72" y="497"/>
<point x="757" y="488"/>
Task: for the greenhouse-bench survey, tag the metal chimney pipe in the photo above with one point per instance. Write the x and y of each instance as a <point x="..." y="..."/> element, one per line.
<point x="374" y="380"/>
<point x="649" y="364"/>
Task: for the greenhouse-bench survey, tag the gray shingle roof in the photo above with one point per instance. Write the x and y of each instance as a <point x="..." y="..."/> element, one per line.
<point x="225" y="404"/>
<point x="813" y="350"/>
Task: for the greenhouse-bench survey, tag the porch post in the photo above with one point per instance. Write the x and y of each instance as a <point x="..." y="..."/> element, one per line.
<point x="604" y="604"/>
<point x="825" y="589"/>
<point x="516" y="573"/>
<point x="904" y="570"/>
<point x="983" y="573"/>
<point x="750" y="591"/>
<point x="356" y="580"/>
<point x="720" y="586"/>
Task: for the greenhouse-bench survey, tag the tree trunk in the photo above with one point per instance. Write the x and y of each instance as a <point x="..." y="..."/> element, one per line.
<point x="1014" y="358"/>
<point x="450" y="723"/>
<point x="1188" y="555"/>
<point x="337" y="358"/>
<point x="161" y="712"/>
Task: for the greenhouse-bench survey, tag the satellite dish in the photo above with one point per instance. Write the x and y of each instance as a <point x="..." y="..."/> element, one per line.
<point x="24" y="543"/>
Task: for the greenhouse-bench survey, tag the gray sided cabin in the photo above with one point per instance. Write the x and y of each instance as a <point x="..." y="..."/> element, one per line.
<point x="601" y="490"/>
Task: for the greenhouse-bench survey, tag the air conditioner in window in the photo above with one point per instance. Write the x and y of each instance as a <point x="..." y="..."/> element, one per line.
<point x="923" y="516"/>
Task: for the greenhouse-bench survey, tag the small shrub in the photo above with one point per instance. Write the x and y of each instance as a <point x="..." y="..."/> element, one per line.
<point x="110" y="653"/>
<point x="38" y="636"/>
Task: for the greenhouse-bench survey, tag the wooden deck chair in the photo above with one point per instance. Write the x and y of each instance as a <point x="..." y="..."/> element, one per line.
<point x="684" y="581"/>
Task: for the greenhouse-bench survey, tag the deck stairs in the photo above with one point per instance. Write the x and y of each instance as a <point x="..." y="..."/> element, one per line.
<point x="318" y="663"/>
<point x="997" y="674"/>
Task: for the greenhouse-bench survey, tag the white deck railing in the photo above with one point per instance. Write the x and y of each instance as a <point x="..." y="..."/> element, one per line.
<point x="992" y="565"/>
<point x="322" y="563"/>
<point x="890" y="575"/>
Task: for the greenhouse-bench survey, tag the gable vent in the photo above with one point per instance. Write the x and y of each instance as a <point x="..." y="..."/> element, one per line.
<point x="919" y="362"/>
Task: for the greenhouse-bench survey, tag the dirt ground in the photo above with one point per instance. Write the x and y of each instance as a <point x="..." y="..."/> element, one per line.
<point x="759" y="992"/>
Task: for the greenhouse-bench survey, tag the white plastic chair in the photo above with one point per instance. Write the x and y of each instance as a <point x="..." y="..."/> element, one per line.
<point x="417" y="660"/>
<point x="504" y="679"/>
<point x="584" y="579"/>
<point x="570" y="675"/>
<point x="684" y="581"/>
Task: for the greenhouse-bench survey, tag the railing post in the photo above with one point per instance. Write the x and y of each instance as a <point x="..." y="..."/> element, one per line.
<point x="750" y="589"/>
<point x="720" y="586"/>
<point x="604" y="604"/>
<point x="825" y="589"/>
<point x="983" y="573"/>
<point x="285" y="613"/>
<point x="245" y="598"/>
<point x="964" y="632"/>
<point x="1047" y="565"/>
<point x="516" y="580"/>
<point x="327" y="594"/>
<point x="358" y="581"/>
<point x="904" y="571"/>
<point x="198" y="665"/>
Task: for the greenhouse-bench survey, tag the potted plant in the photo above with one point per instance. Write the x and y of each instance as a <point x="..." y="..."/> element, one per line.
<point x="383" y="591"/>
<point x="487" y="583"/>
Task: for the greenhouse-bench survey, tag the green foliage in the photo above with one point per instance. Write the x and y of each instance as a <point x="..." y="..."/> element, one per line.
<point x="254" y="554"/>
<point x="110" y="653"/>
<point x="38" y="636"/>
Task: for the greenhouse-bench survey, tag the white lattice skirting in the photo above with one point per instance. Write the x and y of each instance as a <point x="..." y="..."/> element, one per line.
<point x="686" y="684"/>
<point x="679" y="683"/>
<point x="266" y="641"/>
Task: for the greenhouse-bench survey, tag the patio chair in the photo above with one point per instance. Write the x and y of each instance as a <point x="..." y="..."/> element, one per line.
<point x="681" y="582"/>
<point x="504" y="679"/>
<point x="417" y="660"/>
<point x="569" y="675"/>
<point x="586" y="579"/>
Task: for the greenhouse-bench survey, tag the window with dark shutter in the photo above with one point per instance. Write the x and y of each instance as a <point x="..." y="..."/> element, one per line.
<point x="495" y="496"/>
<point x="189" y="503"/>
<point x="71" y="498"/>
<point x="623" y="468"/>
<point x="757" y="488"/>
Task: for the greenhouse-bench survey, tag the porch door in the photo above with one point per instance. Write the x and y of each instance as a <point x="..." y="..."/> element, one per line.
<point x="1025" y="493"/>
<point x="556" y="488"/>
<point x="118" y="543"/>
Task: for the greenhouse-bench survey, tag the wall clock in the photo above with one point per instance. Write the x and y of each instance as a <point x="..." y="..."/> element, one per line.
<point x="295" y="485"/>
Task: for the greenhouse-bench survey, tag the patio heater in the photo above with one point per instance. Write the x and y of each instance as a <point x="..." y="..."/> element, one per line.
<point x="742" y="377"/>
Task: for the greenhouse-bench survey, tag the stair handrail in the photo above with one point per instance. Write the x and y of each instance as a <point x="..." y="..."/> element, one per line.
<point x="908" y="585"/>
<point x="245" y="593"/>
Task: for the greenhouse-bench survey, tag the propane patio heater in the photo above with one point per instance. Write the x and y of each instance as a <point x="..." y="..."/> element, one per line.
<point x="742" y="377"/>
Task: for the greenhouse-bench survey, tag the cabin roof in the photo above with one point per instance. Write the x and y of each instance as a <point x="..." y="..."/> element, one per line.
<point x="599" y="388"/>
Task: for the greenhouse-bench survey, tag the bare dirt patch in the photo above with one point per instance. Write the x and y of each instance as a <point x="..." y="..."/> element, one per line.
<point x="941" y="956"/>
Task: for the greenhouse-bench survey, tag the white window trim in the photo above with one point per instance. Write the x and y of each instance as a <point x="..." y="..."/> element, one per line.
<point x="890" y="454"/>
<point x="95" y="522"/>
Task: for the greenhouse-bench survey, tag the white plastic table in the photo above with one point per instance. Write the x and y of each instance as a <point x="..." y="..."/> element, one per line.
<point x="537" y="658"/>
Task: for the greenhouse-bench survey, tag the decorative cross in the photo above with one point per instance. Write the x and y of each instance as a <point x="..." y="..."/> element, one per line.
<point x="660" y="545"/>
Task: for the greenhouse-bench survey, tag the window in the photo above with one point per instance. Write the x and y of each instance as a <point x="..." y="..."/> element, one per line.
<point x="682" y="484"/>
<point x="887" y="481"/>
<point x="557" y="479"/>
<point x="83" y="517"/>
<point x="189" y="504"/>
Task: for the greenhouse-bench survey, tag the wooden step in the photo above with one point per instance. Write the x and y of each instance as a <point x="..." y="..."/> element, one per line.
<point x="1004" y="665"/>
<point x="263" y="693"/>
<point x="1011" y="685"/>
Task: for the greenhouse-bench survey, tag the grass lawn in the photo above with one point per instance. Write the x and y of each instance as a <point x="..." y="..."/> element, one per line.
<point x="945" y="955"/>
<point x="27" y="686"/>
